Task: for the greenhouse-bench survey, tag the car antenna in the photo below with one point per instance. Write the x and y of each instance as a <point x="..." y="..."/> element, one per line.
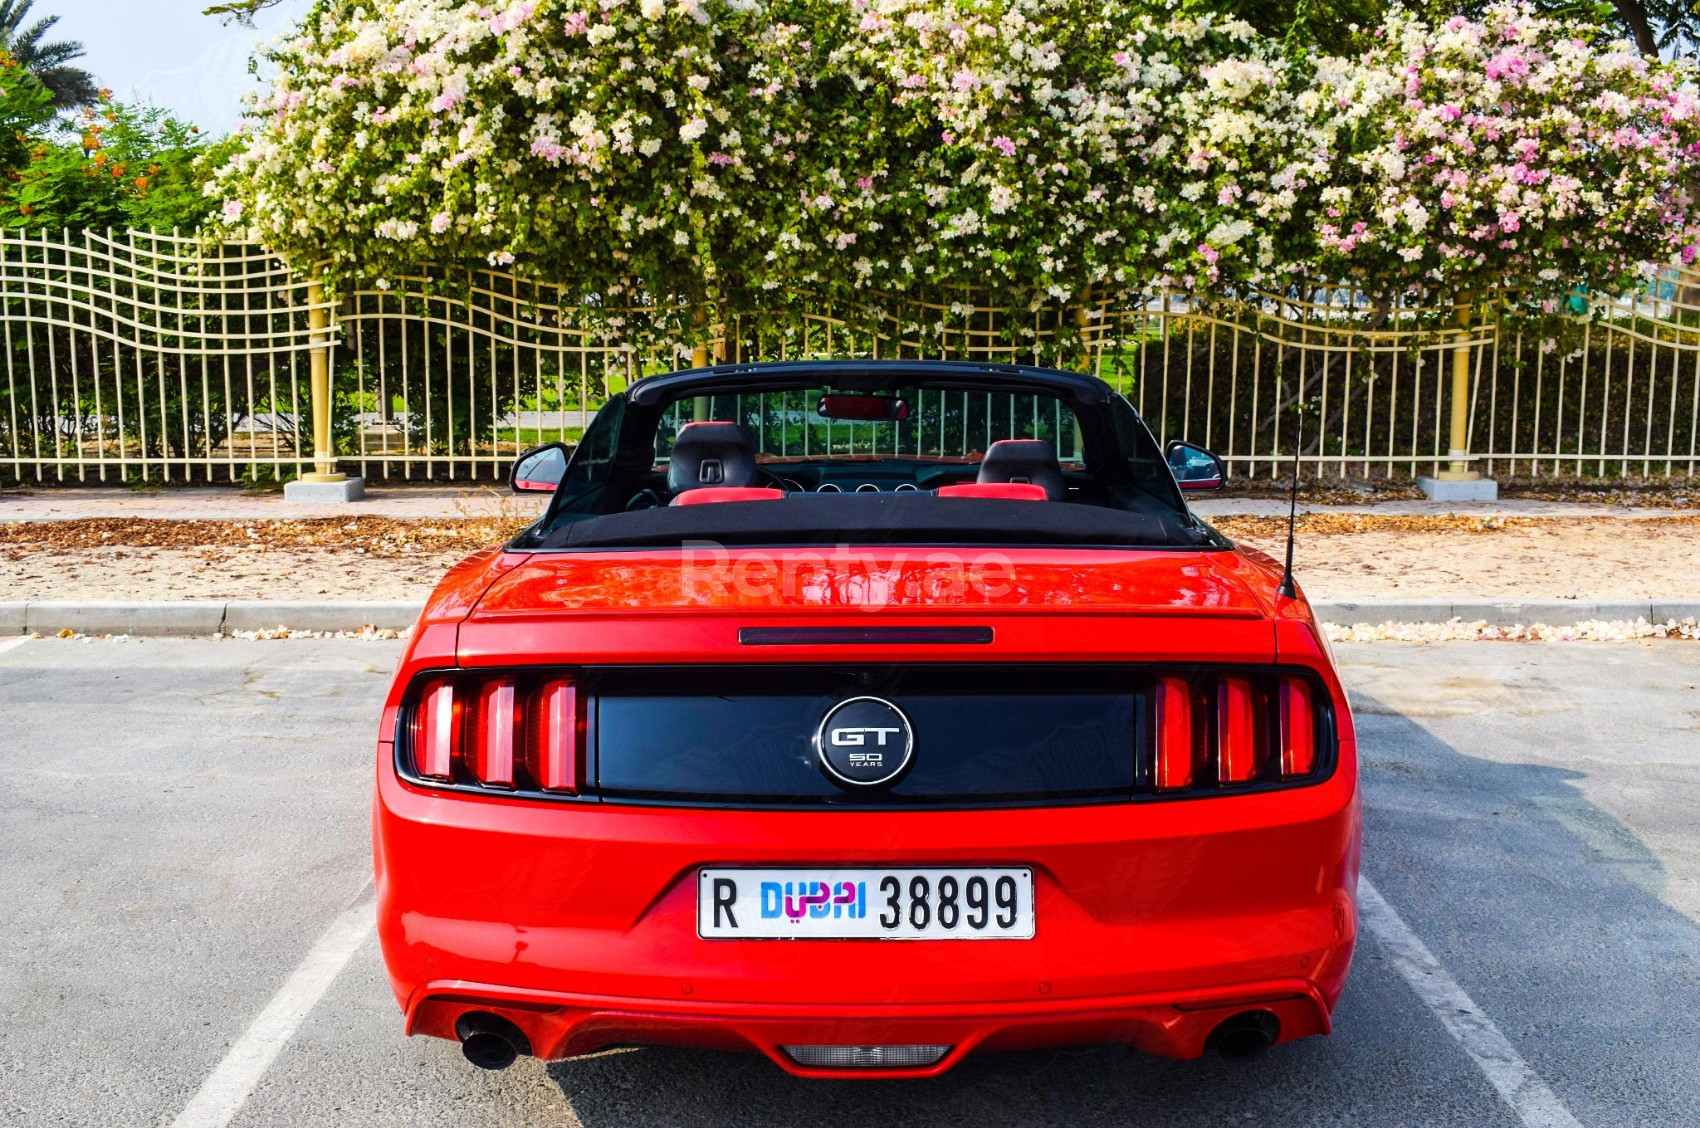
<point x="1286" y="588"/>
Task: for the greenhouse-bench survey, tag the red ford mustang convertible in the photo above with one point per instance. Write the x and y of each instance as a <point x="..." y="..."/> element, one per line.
<point x="866" y="715"/>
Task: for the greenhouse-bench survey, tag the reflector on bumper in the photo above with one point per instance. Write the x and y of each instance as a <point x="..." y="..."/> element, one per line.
<point x="865" y="1057"/>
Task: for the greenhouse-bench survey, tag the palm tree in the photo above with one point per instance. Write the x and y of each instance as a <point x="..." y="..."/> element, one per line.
<point x="71" y="86"/>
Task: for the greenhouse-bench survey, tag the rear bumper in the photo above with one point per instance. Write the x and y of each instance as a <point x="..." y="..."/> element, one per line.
<point x="562" y="1026"/>
<point x="577" y="922"/>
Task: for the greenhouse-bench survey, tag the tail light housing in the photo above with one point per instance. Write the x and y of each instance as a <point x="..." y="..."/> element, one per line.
<point x="1198" y="730"/>
<point x="1224" y="730"/>
<point x="518" y="732"/>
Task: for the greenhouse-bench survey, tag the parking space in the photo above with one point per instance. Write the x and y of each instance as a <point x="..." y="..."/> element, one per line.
<point x="183" y="821"/>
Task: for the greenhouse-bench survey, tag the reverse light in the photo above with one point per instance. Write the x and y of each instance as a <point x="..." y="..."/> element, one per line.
<point x="866" y="1057"/>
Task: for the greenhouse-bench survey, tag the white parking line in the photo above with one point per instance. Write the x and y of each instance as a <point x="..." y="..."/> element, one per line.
<point x="1535" y="1104"/>
<point x="13" y="643"/>
<point x="222" y="1095"/>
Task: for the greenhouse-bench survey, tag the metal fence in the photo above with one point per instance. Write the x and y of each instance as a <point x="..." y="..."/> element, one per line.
<point x="145" y="355"/>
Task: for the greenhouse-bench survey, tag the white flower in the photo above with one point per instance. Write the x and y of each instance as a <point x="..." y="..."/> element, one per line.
<point x="693" y="129"/>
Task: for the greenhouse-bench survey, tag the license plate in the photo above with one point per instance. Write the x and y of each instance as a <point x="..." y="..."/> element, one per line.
<point x="865" y="904"/>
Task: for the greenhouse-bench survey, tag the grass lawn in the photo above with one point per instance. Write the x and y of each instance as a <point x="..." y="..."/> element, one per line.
<point x="528" y="437"/>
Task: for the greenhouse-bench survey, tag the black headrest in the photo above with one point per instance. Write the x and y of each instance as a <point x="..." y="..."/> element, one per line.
<point x="711" y="454"/>
<point x="1024" y="460"/>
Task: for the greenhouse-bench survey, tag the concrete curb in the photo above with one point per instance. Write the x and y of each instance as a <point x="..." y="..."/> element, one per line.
<point x="212" y="616"/>
<point x="320" y="615"/>
<point x="1502" y="613"/>
<point x="202" y="616"/>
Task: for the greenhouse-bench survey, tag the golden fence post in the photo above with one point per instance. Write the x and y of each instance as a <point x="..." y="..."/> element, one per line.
<point x="1458" y="482"/>
<point x="1082" y="320"/>
<point x="1458" y="446"/>
<point x="699" y="359"/>
<point x="324" y="483"/>
<point x="319" y="368"/>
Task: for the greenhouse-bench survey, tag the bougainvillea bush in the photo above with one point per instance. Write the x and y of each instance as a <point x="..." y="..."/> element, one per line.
<point x="1069" y="145"/>
<point x="1508" y="149"/>
<point x="623" y="149"/>
<point x="703" y="154"/>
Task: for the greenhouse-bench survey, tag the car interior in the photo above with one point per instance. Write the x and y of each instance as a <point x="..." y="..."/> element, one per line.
<point x="1064" y="466"/>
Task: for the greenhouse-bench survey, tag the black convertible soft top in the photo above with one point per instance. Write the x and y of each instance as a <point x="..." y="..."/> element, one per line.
<point x="877" y="519"/>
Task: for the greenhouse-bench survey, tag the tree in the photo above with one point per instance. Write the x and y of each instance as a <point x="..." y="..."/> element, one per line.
<point x="1656" y="27"/>
<point x="240" y="11"/>
<point x="1305" y="25"/>
<point x="126" y="166"/>
<point x="26" y="108"/>
<point x="48" y="61"/>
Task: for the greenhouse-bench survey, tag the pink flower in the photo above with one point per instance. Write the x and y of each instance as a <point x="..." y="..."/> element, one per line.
<point x="1509" y="64"/>
<point x="1688" y="254"/>
<point x="440" y="223"/>
<point x="865" y="183"/>
<point x="718" y="158"/>
<point x="1004" y="145"/>
<point x="1449" y="112"/>
<point x="1208" y="253"/>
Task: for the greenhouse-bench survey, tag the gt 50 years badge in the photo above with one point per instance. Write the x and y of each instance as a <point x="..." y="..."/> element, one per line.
<point x="864" y="742"/>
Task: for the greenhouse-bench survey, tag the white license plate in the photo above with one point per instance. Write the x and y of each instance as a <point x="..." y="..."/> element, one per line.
<point x="865" y="904"/>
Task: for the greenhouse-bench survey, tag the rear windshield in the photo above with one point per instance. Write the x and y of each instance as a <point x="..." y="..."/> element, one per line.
<point x="860" y="468"/>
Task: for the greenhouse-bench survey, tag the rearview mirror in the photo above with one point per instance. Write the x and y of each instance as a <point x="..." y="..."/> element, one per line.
<point x="1194" y="467"/>
<point x="539" y="470"/>
<point x="877" y="409"/>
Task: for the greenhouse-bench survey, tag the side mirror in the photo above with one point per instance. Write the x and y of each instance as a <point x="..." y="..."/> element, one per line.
<point x="540" y="470"/>
<point x="1194" y="467"/>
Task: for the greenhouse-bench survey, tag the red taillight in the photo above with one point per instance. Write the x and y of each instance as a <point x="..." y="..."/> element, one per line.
<point x="1221" y="730"/>
<point x="1298" y="728"/>
<point x="493" y="747"/>
<point x="553" y="752"/>
<point x="1173" y="724"/>
<point x="1236" y="732"/>
<point x="501" y="730"/>
<point x="436" y="731"/>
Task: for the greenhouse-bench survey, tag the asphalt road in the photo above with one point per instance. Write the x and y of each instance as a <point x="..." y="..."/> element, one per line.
<point x="180" y="822"/>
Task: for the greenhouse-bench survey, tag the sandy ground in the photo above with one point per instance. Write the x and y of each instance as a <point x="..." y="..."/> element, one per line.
<point x="1523" y="559"/>
<point x="1340" y="556"/>
<point x="220" y="573"/>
